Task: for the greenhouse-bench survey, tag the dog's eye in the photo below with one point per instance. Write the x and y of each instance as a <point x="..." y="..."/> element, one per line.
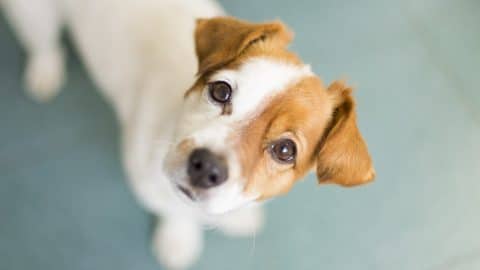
<point x="220" y="91"/>
<point x="284" y="151"/>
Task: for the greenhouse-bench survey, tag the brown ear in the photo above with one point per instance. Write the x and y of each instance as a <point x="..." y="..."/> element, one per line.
<point x="343" y="156"/>
<point x="221" y="39"/>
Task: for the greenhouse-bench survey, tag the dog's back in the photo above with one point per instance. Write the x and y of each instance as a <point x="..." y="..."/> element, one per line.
<point x="125" y="44"/>
<point x="122" y="43"/>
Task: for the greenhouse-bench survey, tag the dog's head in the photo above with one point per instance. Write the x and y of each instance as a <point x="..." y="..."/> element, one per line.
<point x="257" y="120"/>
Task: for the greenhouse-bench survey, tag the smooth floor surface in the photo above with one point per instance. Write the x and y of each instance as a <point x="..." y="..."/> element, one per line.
<point x="64" y="203"/>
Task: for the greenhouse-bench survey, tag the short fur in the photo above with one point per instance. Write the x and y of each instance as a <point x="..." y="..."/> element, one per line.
<point x="145" y="55"/>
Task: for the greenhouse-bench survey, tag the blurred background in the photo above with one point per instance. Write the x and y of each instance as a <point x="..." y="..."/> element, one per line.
<point x="64" y="203"/>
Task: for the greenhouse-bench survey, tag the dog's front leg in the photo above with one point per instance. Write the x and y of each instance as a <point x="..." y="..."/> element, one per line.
<point x="177" y="242"/>
<point x="37" y="24"/>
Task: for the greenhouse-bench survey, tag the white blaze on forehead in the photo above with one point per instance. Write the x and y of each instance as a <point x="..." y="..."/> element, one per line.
<point x="254" y="83"/>
<point x="256" y="80"/>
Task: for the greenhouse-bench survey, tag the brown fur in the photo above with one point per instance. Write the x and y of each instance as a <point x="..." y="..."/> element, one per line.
<point x="225" y="42"/>
<point x="321" y="121"/>
<point x="301" y="113"/>
<point x="220" y="40"/>
<point x="343" y="156"/>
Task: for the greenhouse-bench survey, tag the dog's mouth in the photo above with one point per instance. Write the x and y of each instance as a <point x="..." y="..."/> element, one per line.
<point x="187" y="192"/>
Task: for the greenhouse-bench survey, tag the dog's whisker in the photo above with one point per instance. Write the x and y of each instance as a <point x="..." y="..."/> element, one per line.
<point x="253" y="247"/>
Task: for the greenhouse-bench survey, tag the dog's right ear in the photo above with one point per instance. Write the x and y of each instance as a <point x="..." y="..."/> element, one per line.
<point x="220" y="40"/>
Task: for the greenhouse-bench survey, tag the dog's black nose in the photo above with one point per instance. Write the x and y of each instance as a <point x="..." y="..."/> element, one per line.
<point x="205" y="169"/>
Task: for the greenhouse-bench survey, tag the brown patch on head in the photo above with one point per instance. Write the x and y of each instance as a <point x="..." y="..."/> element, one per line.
<point x="301" y="113"/>
<point x="220" y="40"/>
<point x="226" y="42"/>
<point x="304" y="113"/>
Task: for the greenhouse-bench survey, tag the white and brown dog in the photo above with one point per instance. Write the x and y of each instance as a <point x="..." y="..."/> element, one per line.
<point x="216" y="114"/>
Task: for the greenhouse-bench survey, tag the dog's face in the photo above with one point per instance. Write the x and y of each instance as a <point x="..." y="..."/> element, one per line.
<point x="257" y="120"/>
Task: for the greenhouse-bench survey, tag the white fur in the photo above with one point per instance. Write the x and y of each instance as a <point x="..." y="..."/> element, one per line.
<point x="140" y="54"/>
<point x="177" y="242"/>
<point x="37" y="24"/>
<point x="44" y="74"/>
<point x="242" y="222"/>
<point x="257" y="80"/>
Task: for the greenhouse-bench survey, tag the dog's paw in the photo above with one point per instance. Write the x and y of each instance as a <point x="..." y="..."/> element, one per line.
<point x="177" y="244"/>
<point x="243" y="222"/>
<point x="44" y="74"/>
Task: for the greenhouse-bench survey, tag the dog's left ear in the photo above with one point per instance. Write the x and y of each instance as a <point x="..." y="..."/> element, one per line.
<point x="219" y="40"/>
<point x="343" y="157"/>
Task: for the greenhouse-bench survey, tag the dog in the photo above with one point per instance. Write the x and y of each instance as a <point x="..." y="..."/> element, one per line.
<point x="216" y="114"/>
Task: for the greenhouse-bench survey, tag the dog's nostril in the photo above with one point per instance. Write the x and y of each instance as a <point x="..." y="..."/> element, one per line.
<point x="197" y="165"/>
<point x="213" y="178"/>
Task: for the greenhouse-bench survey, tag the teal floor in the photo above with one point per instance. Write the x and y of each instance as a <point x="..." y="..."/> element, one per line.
<point x="64" y="203"/>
